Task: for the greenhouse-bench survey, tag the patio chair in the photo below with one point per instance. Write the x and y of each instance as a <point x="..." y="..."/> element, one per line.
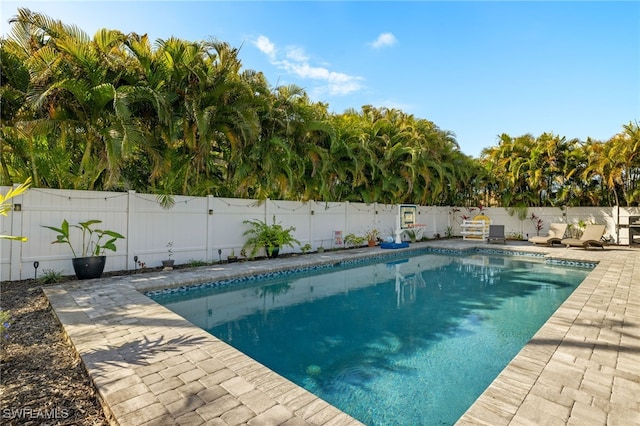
<point x="496" y="234"/>
<point x="555" y="235"/>
<point x="591" y="237"/>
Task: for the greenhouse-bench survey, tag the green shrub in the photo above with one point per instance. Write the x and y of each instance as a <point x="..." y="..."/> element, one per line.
<point x="49" y="276"/>
<point x="270" y="237"/>
<point x="353" y="240"/>
<point x="193" y="263"/>
<point x="5" y="323"/>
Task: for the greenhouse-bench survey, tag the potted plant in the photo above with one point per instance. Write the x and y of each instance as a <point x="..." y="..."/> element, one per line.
<point x="168" y="263"/>
<point x="90" y="263"/>
<point x="372" y="237"/>
<point x="232" y="257"/>
<point x="353" y="240"/>
<point x="270" y="237"/>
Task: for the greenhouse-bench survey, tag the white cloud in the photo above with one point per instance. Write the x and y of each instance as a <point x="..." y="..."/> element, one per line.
<point x="296" y="54"/>
<point x="265" y="46"/>
<point x="295" y="61"/>
<point x="384" y="40"/>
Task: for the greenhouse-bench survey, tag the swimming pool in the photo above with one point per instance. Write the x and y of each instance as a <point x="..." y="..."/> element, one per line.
<point x="410" y="341"/>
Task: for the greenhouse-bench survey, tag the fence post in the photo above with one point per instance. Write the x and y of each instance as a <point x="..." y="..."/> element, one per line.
<point x="310" y="214"/>
<point x="346" y="219"/>
<point x="15" y="247"/>
<point x="266" y="211"/>
<point x="130" y="214"/>
<point x="210" y="230"/>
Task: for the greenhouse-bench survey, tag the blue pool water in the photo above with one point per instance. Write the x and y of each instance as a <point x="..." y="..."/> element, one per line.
<point x="413" y="341"/>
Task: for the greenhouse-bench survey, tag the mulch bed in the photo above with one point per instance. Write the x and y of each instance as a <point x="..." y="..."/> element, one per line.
<point x="42" y="380"/>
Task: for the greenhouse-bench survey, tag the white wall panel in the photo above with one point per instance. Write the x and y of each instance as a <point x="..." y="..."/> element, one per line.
<point x="208" y="228"/>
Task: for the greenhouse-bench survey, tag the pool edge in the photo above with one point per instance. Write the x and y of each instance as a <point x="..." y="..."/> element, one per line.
<point x="115" y="317"/>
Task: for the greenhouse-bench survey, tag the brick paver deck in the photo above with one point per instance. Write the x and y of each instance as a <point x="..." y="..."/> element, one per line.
<point x="152" y="367"/>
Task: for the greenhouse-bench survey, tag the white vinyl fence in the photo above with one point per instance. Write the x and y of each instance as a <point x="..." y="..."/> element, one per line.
<point x="209" y="228"/>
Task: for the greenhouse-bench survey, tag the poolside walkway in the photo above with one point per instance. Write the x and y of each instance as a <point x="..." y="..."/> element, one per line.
<point x="152" y="367"/>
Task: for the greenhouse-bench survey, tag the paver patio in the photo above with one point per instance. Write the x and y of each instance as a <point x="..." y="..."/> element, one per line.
<point x="150" y="366"/>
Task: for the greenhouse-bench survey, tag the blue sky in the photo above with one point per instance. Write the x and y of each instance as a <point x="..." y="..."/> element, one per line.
<point x="478" y="69"/>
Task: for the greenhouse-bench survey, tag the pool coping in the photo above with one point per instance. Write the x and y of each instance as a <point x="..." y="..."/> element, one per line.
<point x="151" y="366"/>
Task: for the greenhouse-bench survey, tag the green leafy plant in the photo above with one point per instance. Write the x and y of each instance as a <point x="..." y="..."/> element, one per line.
<point x="372" y="234"/>
<point x="232" y="256"/>
<point x="448" y="233"/>
<point x="270" y="237"/>
<point x="193" y="263"/>
<point x="50" y="276"/>
<point x="92" y="244"/>
<point x="415" y="233"/>
<point x="5" y="323"/>
<point x="520" y="211"/>
<point x="305" y="248"/>
<point x="5" y="206"/>
<point x="353" y="240"/>
<point x="515" y="236"/>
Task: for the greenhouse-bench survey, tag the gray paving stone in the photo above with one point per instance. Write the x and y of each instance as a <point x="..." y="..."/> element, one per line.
<point x="237" y="386"/>
<point x="257" y="401"/>
<point x="184" y="405"/>
<point x="169" y="397"/>
<point x="135" y="404"/>
<point x="274" y="416"/>
<point x="583" y="414"/>
<point x="148" y="413"/>
<point x="218" y="407"/>
<point x="212" y="393"/>
<point x="127" y="393"/>
<point x="191" y="388"/>
<point x="176" y="370"/>
<point x="217" y="377"/>
<point x="166" y="385"/>
<point x="192" y="375"/>
<point x="321" y="417"/>
<point x="190" y="419"/>
<point x="238" y="415"/>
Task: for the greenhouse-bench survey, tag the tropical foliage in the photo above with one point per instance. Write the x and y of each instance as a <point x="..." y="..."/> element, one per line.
<point x="117" y="112"/>
<point x="553" y="171"/>
<point x="5" y="206"/>
<point x="270" y="237"/>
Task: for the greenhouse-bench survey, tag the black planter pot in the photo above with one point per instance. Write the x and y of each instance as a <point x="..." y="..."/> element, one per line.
<point x="168" y="263"/>
<point x="274" y="253"/>
<point x="88" y="267"/>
